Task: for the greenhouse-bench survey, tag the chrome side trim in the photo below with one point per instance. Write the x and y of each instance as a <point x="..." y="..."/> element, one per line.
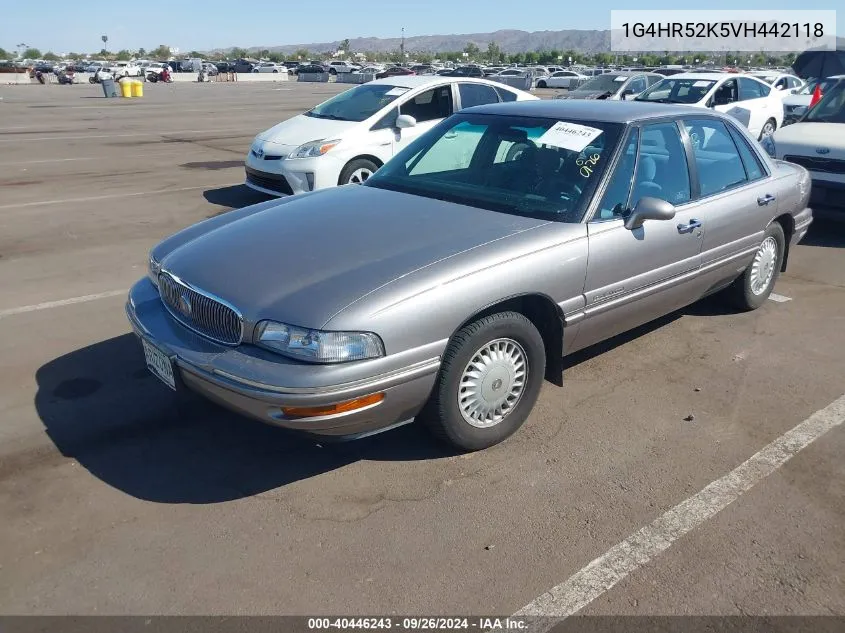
<point x="382" y="381"/>
<point x="207" y="295"/>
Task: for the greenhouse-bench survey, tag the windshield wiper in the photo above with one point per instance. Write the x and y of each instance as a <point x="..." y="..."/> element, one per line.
<point x="332" y="117"/>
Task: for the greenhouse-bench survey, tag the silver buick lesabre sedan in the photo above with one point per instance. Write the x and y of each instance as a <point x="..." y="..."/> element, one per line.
<point x="452" y="283"/>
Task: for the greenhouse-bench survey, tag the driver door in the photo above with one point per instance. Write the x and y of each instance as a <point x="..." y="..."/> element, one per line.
<point x="636" y="276"/>
<point x="428" y="108"/>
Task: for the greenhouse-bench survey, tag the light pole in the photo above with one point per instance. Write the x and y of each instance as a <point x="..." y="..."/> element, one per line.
<point x="105" y="39"/>
<point x="21" y="48"/>
<point x="402" y="45"/>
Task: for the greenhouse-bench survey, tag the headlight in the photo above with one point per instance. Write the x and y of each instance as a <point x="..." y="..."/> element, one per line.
<point x="154" y="269"/>
<point x="768" y="144"/>
<point x="798" y="110"/>
<point x="314" y="148"/>
<point x="317" y="346"/>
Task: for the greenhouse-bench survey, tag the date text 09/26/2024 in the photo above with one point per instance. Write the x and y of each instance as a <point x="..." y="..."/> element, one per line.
<point x="419" y="623"/>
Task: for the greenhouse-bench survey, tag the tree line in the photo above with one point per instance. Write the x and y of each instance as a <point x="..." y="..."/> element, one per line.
<point x="493" y="54"/>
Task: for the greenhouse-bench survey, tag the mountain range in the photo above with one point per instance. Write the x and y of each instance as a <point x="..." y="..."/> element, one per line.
<point x="509" y="41"/>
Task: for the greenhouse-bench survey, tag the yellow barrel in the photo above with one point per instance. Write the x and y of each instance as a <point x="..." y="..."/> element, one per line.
<point x="137" y="88"/>
<point x="126" y="88"/>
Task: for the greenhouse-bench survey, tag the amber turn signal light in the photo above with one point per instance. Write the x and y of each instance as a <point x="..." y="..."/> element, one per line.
<point x="333" y="409"/>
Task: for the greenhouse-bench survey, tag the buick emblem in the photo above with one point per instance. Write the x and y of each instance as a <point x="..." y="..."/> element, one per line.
<point x="185" y="304"/>
<point x="822" y="150"/>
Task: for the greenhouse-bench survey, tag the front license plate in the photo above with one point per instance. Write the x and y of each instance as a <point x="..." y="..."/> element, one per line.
<point x="159" y="364"/>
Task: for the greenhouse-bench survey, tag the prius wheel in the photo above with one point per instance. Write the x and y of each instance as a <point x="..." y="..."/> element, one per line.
<point x="755" y="285"/>
<point x="357" y="172"/>
<point x="490" y="378"/>
<point x="541" y="84"/>
<point x="769" y="128"/>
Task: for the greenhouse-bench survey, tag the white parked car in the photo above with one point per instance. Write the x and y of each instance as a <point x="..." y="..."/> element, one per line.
<point x="347" y="138"/>
<point x="795" y="105"/>
<point x="562" y="79"/>
<point x="125" y="69"/>
<point x="615" y="86"/>
<point x="752" y="101"/>
<point x="270" y="67"/>
<point x="784" y="83"/>
<point x="817" y="142"/>
<point x="156" y="67"/>
<point x="336" y="67"/>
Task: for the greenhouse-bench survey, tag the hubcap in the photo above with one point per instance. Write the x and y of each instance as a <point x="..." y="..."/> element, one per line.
<point x="360" y="175"/>
<point x="492" y="383"/>
<point x="768" y="129"/>
<point x="763" y="267"/>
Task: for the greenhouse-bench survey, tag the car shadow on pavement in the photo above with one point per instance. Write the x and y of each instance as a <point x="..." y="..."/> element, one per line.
<point x="234" y="197"/>
<point x="827" y="231"/>
<point x="102" y="407"/>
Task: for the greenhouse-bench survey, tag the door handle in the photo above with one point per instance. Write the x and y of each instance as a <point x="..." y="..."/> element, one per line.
<point x="689" y="228"/>
<point x="768" y="198"/>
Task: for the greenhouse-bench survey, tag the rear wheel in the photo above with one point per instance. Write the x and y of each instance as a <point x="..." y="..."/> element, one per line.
<point x="489" y="381"/>
<point x="754" y="286"/>
<point x="357" y="171"/>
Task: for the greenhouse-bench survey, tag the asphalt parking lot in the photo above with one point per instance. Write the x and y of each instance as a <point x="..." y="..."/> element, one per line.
<point x="118" y="497"/>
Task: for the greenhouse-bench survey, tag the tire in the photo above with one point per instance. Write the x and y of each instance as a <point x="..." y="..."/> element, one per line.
<point x="512" y="336"/>
<point x="332" y="71"/>
<point x="357" y="171"/>
<point x="769" y="128"/>
<point x="746" y="293"/>
<point x="541" y="84"/>
<point x="275" y="71"/>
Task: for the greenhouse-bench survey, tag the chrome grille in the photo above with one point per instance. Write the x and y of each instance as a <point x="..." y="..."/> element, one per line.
<point x="200" y="312"/>
<point x="826" y="165"/>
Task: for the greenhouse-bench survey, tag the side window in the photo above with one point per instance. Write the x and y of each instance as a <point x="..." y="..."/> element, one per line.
<point x="476" y="94"/>
<point x="726" y="93"/>
<point x="717" y="159"/>
<point x="614" y="202"/>
<point x="653" y="79"/>
<point x="793" y="82"/>
<point x="751" y="89"/>
<point x="637" y="85"/>
<point x="430" y="105"/>
<point x="753" y="168"/>
<point x="662" y="170"/>
<point x="506" y="95"/>
<point x="451" y="152"/>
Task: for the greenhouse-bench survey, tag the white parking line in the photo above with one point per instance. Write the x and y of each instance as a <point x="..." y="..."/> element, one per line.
<point x="779" y="298"/>
<point x="132" y="194"/>
<point x="626" y="557"/>
<point x="61" y="302"/>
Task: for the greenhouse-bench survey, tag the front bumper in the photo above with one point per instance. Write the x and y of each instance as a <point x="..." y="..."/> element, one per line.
<point x="267" y="384"/>
<point x="290" y="176"/>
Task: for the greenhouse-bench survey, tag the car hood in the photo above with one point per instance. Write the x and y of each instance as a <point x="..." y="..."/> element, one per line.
<point x="304" y="129"/>
<point x="303" y="261"/>
<point x="797" y="100"/>
<point x="804" y="139"/>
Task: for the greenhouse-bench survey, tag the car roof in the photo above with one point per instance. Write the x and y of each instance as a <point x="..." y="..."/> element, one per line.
<point x="420" y="81"/>
<point x="589" y="110"/>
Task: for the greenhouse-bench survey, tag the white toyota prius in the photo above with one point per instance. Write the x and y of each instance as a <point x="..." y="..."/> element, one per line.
<point x="347" y="138"/>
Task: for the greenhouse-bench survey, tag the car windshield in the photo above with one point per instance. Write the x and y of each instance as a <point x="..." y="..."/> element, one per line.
<point x="810" y="87"/>
<point x="831" y="108"/>
<point x="357" y="104"/>
<point x="535" y="167"/>
<point x="604" y="83"/>
<point x="673" y="90"/>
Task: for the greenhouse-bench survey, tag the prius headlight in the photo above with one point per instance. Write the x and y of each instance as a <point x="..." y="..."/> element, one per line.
<point x="313" y="149"/>
<point x="317" y="346"/>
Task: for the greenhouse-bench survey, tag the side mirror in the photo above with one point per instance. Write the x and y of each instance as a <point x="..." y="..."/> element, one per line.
<point x="649" y="209"/>
<point x="404" y="121"/>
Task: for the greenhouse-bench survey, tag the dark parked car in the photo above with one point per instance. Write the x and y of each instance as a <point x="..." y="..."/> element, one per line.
<point x="395" y="71"/>
<point x="465" y="71"/>
<point x="224" y="67"/>
<point x="242" y="66"/>
<point x="311" y="69"/>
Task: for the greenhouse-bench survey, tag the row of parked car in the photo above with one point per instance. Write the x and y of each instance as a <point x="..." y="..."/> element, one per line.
<point x="453" y="278"/>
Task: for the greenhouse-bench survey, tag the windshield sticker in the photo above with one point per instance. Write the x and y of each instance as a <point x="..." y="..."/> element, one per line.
<point x="587" y="164"/>
<point x="395" y="92"/>
<point x="569" y="136"/>
<point x="623" y="78"/>
<point x="701" y="84"/>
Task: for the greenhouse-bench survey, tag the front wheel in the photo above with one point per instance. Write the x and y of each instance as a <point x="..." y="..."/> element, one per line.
<point x="754" y="286"/>
<point x="769" y="128"/>
<point x="541" y="84"/>
<point x="489" y="381"/>
<point x="357" y="172"/>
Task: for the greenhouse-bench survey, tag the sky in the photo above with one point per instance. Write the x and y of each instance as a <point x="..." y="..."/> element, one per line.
<point x="62" y="26"/>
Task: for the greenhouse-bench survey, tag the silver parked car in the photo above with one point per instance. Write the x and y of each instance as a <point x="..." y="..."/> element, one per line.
<point x="450" y="284"/>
